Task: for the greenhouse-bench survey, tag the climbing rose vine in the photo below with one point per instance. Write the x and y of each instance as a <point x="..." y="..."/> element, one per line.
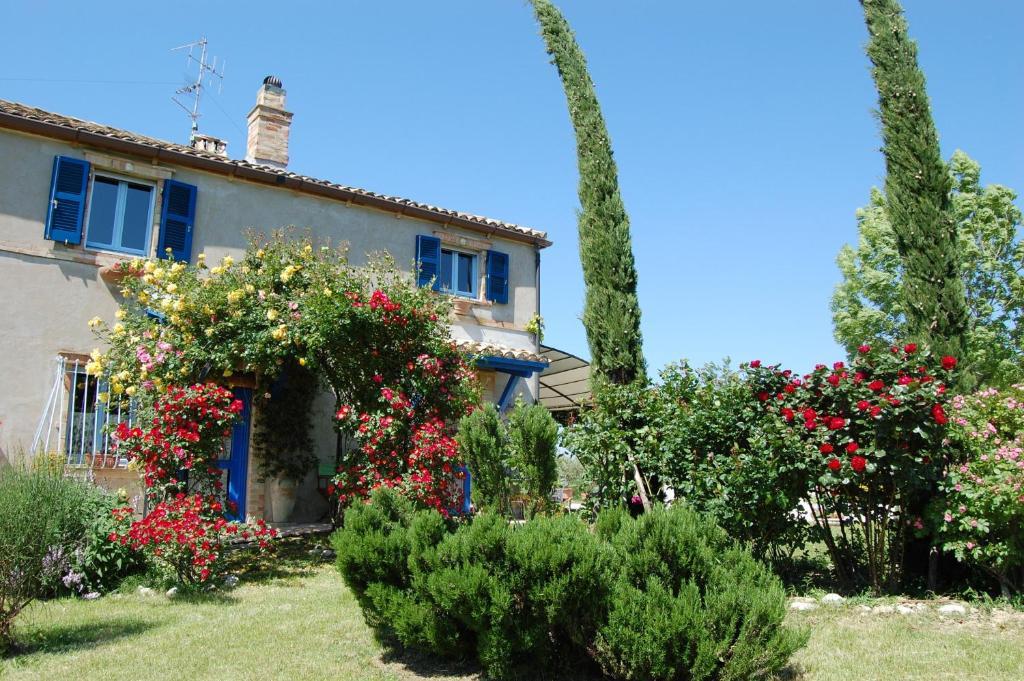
<point x="874" y="434"/>
<point x="186" y="433"/>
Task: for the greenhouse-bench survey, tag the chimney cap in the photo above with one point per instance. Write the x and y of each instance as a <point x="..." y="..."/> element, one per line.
<point x="272" y="81"/>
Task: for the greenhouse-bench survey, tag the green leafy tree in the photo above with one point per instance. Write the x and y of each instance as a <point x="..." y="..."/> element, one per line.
<point x="533" y="439"/>
<point x="866" y="305"/>
<point x="917" y="187"/>
<point x="483" y="444"/>
<point x="611" y="312"/>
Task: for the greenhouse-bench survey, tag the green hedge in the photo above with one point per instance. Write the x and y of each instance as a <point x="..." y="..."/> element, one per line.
<point x="665" y="596"/>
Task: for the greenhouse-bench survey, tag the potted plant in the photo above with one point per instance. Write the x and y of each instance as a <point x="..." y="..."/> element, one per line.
<point x="282" y="441"/>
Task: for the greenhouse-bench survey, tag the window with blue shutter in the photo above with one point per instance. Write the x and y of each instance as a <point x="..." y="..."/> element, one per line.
<point x="428" y="260"/>
<point x="176" y="220"/>
<point x="497" y="276"/>
<point x="67" y="200"/>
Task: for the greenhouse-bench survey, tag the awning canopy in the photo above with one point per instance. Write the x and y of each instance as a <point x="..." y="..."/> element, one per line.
<point x="565" y="383"/>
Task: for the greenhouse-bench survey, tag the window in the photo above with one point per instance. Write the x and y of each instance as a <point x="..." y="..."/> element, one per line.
<point x="120" y="215"/>
<point x="458" y="273"/>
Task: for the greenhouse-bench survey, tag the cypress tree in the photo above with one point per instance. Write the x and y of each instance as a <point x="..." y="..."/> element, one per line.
<point x="917" y="186"/>
<point x="611" y="312"/>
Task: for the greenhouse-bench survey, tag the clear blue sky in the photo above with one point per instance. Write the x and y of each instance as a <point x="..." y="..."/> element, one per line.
<point x="743" y="130"/>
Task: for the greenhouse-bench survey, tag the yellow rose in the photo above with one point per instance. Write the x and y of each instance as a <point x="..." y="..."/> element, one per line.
<point x="143" y="297"/>
<point x="171" y="288"/>
<point x="120" y="314"/>
<point x="117" y="388"/>
<point x="280" y="333"/>
<point x="235" y="296"/>
<point x="103" y="397"/>
<point x="131" y="390"/>
<point x="166" y="304"/>
<point x="328" y="292"/>
<point x="271" y="314"/>
<point x="209" y="332"/>
<point x="179" y="305"/>
<point x="118" y="328"/>
<point x="260" y="253"/>
<point x="302" y="361"/>
<point x="149" y="266"/>
<point x="159" y="273"/>
<point x="123" y="376"/>
<point x="228" y="372"/>
<point x="227" y="262"/>
<point x="307" y="249"/>
<point x="96" y="355"/>
<point x="147" y="279"/>
<point x="175" y="320"/>
<point x="94" y="322"/>
<point x="249" y="288"/>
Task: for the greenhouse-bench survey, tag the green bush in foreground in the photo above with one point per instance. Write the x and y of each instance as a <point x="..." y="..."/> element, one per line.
<point x="665" y="596"/>
<point x="40" y="524"/>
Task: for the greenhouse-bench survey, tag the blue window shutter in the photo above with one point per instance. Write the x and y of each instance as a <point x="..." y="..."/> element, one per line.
<point x="497" y="276"/>
<point x="64" y="216"/>
<point x="428" y="259"/>
<point x="176" y="219"/>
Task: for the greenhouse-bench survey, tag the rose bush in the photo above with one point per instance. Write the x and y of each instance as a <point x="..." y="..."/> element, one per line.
<point x="186" y="538"/>
<point x="876" y="430"/>
<point x="981" y="514"/>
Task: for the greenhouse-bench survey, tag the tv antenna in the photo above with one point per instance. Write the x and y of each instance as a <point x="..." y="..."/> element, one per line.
<point x="192" y="92"/>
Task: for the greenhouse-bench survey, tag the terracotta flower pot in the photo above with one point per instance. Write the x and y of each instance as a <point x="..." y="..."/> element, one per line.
<point x="282" y="498"/>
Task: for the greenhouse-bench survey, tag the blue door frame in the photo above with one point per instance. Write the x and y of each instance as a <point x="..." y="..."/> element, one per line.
<point x="237" y="464"/>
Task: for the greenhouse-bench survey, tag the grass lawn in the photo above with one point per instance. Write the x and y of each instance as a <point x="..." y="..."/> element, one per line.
<point x="297" y="621"/>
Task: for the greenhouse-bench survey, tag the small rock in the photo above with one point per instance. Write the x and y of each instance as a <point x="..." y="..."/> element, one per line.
<point x="952" y="609"/>
<point x="145" y="591"/>
<point x="172" y="592"/>
<point x="832" y="599"/>
<point x="883" y="609"/>
<point x="802" y="605"/>
<point x="91" y="596"/>
<point x="864" y="608"/>
<point x="231" y="581"/>
<point x="904" y="609"/>
<point x="328" y="554"/>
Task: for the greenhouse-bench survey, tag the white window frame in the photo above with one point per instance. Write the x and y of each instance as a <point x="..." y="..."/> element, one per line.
<point x="119" y="227"/>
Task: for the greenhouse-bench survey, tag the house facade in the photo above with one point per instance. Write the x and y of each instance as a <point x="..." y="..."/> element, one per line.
<point x="76" y="198"/>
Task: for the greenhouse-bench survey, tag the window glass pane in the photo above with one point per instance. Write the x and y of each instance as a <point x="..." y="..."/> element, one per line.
<point x="102" y="209"/>
<point x="465" y="283"/>
<point x="445" y="275"/>
<point x="136" y="217"/>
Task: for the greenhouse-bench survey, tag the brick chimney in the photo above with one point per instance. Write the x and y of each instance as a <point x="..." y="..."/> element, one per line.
<point x="268" y="126"/>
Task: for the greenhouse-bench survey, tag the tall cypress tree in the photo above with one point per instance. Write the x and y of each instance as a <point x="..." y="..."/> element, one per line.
<point x="611" y="313"/>
<point x="917" y="186"/>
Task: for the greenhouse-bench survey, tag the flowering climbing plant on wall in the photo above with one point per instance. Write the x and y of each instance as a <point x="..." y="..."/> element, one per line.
<point x="875" y="434"/>
<point x="375" y="339"/>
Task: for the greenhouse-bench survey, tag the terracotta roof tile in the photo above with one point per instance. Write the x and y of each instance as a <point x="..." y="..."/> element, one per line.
<point x="30" y="113"/>
<point x="495" y="350"/>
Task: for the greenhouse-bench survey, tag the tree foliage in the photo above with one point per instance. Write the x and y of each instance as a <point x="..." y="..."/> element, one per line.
<point x="866" y="305"/>
<point x="533" y="441"/>
<point x="611" y="313"/>
<point x="917" y="186"/>
<point x="484" y="447"/>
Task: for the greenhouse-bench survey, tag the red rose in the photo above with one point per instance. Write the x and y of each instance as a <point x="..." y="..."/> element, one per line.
<point x="939" y="414"/>
<point x="826" y="448"/>
<point x="833" y="380"/>
<point x="876" y="385"/>
<point x="852" y="447"/>
<point x="790" y="388"/>
<point x="858" y="463"/>
<point x="763" y="396"/>
<point x="863" y="405"/>
<point x="787" y="413"/>
<point x="864" y="349"/>
<point x="755" y="364"/>
<point x="834" y="464"/>
<point x="835" y="423"/>
<point x="876" y="410"/>
<point x="949" y="362"/>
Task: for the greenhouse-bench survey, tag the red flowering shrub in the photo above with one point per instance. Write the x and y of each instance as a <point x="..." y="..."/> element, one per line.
<point x="186" y="536"/>
<point x="876" y="429"/>
<point x="186" y="433"/>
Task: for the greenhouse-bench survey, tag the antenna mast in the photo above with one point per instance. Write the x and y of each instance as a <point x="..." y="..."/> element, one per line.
<point x="194" y="90"/>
